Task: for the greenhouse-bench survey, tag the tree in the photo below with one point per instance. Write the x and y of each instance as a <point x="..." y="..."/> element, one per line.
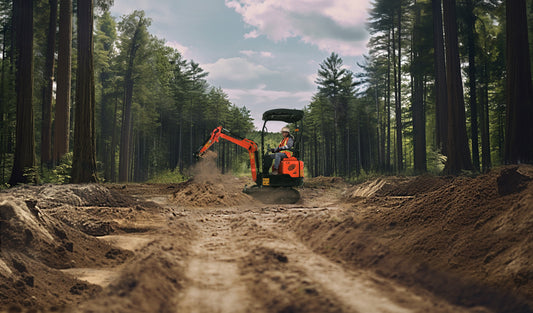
<point x="471" y="43"/>
<point x="519" y="126"/>
<point x="107" y="87"/>
<point x="458" y="152"/>
<point x="398" y="92"/>
<point x="84" y="159"/>
<point x="64" y="62"/>
<point x="330" y="76"/>
<point x="25" y="142"/>
<point x="419" y="121"/>
<point x="46" y="127"/>
<point x="441" y="105"/>
<point x="7" y="91"/>
<point x="134" y="26"/>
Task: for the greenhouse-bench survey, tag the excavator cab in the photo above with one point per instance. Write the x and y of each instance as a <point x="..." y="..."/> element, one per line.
<point x="291" y="169"/>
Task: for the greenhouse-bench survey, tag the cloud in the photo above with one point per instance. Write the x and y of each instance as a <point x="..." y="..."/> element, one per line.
<point x="176" y="45"/>
<point x="260" y="99"/>
<point x="252" y="34"/>
<point x="261" y="94"/>
<point x="237" y="69"/>
<point x="251" y="53"/>
<point x="331" y="25"/>
<point x="312" y="79"/>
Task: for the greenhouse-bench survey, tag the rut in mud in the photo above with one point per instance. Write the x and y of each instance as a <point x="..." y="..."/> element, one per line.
<point x="423" y="244"/>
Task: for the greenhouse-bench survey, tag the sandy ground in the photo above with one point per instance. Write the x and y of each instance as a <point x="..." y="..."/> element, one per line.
<point x="423" y="244"/>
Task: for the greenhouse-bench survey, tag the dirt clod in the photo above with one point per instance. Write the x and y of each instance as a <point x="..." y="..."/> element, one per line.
<point x="510" y="181"/>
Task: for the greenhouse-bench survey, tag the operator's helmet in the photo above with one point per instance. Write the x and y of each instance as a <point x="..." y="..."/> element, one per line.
<point x="285" y="129"/>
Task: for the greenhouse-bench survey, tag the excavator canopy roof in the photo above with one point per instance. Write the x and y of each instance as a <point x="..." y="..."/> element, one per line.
<point x="285" y="115"/>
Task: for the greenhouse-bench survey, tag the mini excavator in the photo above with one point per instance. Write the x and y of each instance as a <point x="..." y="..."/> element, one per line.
<point x="268" y="188"/>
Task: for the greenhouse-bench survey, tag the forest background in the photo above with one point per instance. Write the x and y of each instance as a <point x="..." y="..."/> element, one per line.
<point x="445" y="88"/>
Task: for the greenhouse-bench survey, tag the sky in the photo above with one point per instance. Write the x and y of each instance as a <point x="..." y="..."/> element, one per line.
<point x="264" y="54"/>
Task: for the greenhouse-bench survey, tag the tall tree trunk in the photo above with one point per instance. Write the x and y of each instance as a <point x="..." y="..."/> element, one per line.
<point x="419" y="123"/>
<point x="315" y="152"/>
<point x="395" y="76"/>
<point x="441" y="101"/>
<point x="399" y="126"/>
<point x="3" y="108"/>
<point x="519" y="126"/>
<point x="25" y="141"/>
<point x="64" y="61"/>
<point x="484" y="119"/>
<point x="458" y="152"/>
<point x="388" y="155"/>
<point x="111" y="168"/>
<point x="398" y="94"/>
<point x="84" y="159"/>
<point x="378" y="129"/>
<point x="471" y="21"/>
<point x="125" y="135"/>
<point x="46" y="126"/>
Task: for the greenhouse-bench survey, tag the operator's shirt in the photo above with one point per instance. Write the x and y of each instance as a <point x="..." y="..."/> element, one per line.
<point x="288" y="145"/>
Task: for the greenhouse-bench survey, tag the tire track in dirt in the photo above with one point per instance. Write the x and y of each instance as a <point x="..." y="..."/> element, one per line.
<point x="342" y="289"/>
<point x="247" y="261"/>
<point x="215" y="283"/>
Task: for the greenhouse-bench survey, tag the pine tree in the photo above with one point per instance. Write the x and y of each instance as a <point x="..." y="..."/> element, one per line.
<point x="24" y="162"/>
<point x="519" y="126"/>
<point x="84" y="158"/>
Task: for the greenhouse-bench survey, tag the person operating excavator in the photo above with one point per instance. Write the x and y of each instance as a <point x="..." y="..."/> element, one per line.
<point x="281" y="152"/>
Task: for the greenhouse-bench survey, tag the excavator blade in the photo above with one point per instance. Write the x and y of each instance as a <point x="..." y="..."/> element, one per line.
<point x="274" y="195"/>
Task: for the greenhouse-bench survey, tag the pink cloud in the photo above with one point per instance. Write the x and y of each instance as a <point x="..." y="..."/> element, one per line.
<point x="331" y="25"/>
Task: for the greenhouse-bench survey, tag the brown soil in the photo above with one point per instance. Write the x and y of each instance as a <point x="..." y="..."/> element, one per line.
<point x="398" y="244"/>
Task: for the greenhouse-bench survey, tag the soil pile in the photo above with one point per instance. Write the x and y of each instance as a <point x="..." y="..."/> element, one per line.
<point x="397" y="186"/>
<point x="34" y="245"/>
<point x="209" y="187"/>
<point x="468" y="240"/>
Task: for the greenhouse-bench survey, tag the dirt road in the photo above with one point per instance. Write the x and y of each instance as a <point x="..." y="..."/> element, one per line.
<point x="246" y="259"/>
<point x="147" y="248"/>
<point x="248" y="262"/>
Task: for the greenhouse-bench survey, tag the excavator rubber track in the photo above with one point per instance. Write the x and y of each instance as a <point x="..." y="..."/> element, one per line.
<point x="273" y="195"/>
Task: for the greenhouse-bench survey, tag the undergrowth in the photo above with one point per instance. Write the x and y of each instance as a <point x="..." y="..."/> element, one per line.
<point x="167" y="177"/>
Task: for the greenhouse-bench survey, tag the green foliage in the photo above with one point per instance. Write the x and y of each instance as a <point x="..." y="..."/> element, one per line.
<point x="59" y="174"/>
<point x="31" y="174"/>
<point x="435" y="161"/>
<point x="168" y="177"/>
<point x="362" y="176"/>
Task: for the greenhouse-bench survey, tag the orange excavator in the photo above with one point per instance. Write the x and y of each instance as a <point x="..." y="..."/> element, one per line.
<point x="268" y="188"/>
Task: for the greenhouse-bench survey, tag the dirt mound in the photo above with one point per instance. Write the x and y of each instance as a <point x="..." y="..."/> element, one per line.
<point x="97" y="207"/>
<point x="397" y="186"/>
<point x="229" y="193"/>
<point x="209" y="187"/>
<point x="84" y="195"/>
<point x="150" y="281"/>
<point x="34" y="245"/>
<point x="21" y="225"/>
<point x="25" y="228"/>
<point x="458" y="237"/>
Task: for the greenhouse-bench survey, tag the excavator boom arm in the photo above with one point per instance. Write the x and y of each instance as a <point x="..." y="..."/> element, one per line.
<point x="221" y="133"/>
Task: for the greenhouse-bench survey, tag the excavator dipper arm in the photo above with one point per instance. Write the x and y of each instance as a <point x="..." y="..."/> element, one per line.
<point x="221" y="133"/>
